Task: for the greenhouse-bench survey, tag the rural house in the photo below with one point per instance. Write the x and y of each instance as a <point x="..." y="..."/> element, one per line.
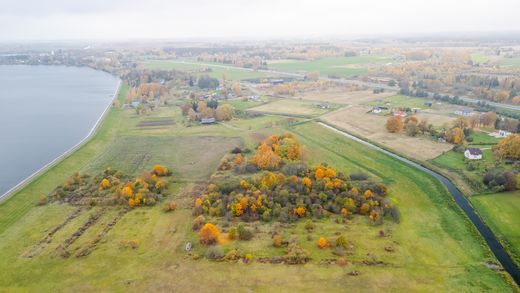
<point x="207" y="120"/>
<point x="464" y="112"/>
<point x="473" y="154"/>
<point x="400" y="113"/>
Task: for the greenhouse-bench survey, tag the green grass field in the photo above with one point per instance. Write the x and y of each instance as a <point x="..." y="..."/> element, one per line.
<point x="217" y="70"/>
<point x="480" y="58"/>
<point x="337" y="66"/>
<point x="290" y="107"/>
<point x="480" y="137"/>
<point x="436" y="249"/>
<point x="400" y="101"/>
<point x="510" y="62"/>
<point x="501" y="212"/>
<point x="456" y="161"/>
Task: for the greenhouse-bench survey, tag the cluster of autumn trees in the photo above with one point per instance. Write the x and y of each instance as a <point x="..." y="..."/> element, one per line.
<point x="147" y="92"/>
<point x="195" y="111"/>
<point x="412" y="125"/>
<point x="455" y="133"/>
<point x="276" y="150"/>
<point x="452" y="70"/>
<point x="112" y="187"/>
<point x="509" y="148"/>
<point x="294" y="192"/>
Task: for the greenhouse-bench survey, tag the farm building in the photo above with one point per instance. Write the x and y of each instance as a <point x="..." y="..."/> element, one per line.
<point x="207" y="120"/>
<point x="473" y="154"/>
<point x="400" y="113"/>
<point x="464" y="112"/>
<point x="500" y="134"/>
<point x="134" y="103"/>
<point x="276" y="81"/>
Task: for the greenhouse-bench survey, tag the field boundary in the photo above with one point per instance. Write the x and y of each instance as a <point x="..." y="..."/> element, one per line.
<point x="64" y="155"/>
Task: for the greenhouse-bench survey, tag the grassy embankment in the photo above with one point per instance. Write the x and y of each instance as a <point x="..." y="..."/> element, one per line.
<point x="501" y="211"/>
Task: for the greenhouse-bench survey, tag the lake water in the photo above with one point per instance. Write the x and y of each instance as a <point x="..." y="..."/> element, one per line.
<point x="46" y="110"/>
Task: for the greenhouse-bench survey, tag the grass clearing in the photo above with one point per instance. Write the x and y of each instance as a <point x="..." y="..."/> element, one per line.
<point x="216" y="70"/>
<point x="401" y="102"/>
<point x="331" y="66"/>
<point x="501" y="212"/>
<point x="292" y="107"/>
<point x="510" y="62"/>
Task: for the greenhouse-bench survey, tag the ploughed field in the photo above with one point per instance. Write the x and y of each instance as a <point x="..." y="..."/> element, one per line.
<point x="433" y="248"/>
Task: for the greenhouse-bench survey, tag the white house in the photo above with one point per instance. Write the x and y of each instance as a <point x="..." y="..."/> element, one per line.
<point x="473" y="154"/>
<point x="464" y="112"/>
<point x="503" y="133"/>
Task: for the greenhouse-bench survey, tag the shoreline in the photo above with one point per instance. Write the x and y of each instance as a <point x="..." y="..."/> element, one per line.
<point x="13" y="190"/>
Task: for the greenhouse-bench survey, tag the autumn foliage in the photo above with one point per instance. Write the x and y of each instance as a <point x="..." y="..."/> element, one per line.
<point x="112" y="187"/>
<point x="394" y="124"/>
<point x="274" y="150"/>
<point x="323" y="243"/>
<point x="509" y="147"/>
<point x="209" y="234"/>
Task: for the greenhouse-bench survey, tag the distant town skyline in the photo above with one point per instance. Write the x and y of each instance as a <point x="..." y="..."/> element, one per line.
<point x="154" y="19"/>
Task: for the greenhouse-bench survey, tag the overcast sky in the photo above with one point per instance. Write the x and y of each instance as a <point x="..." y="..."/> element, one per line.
<point x="174" y="19"/>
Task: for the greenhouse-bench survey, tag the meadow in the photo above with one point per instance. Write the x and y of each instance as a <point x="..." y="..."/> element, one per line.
<point x="435" y="248"/>
<point x="292" y="107"/>
<point x="331" y="66"/>
<point x="501" y="211"/>
<point x="510" y="62"/>
<point x="216" y="70"/>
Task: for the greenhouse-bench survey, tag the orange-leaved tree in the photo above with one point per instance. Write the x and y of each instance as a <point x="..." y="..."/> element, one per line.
<point x="209" y="234"/>
<point x="509" y="147"/>
<point x="394" y="124"/>
<point x="323" y="243"/>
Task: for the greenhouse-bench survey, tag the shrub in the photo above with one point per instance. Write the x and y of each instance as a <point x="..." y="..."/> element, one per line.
<point x="244" y="233"/>
<point x="277" y="240"/>
<point x="236" y="150"/>
<point x="341" y="261"/>
<point x="199" y="222"/>
<point x="339" y="251"/>
<point x="358" y="176"/>
<point x="42" y="200"/>
<point x="170" y="206"/>
<point x="209" y="234"/>
<point x="233" y="233"/>
<point x="296" y="254"/>
<point x="214" y="253"/>
<point x="341" y="241"/>
<point x="322" y="243"/>
<point x="309" y="225"/>
<point x="248" y="258"/>
<point x="232" y="255"/>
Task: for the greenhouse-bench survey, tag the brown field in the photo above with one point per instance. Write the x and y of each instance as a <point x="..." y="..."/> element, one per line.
<point x="356" y="120"/>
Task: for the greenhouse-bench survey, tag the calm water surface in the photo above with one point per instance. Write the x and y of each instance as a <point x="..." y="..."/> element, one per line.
<point x="44" y="111"/>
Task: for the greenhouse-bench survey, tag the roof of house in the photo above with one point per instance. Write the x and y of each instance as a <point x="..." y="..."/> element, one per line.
<point x="474" y="151"/>
<point x="207" y="120"/>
